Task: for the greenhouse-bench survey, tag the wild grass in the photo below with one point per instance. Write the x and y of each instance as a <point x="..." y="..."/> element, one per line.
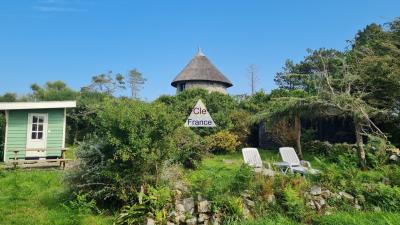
<point x="216" y="172"/>
<point x="356" y="218"/>
<point x="38" y="197"/>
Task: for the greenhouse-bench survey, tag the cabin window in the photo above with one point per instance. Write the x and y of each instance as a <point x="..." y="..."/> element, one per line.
<point x="182" y="87"/>
<point x="37" y="127"/>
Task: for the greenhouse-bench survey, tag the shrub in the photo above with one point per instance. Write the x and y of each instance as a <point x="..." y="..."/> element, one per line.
<point x="316" y="147"/>
<point x="242" y="179"/>
<point x="131" y="215"/>
<point x="384" y="196"/>
<point x="241" y="126"/>
<point x="188" y="147"/>
<point x="294" y="204"/>
<point x="222" y="142"/>
<point x="131" y="148"/>
<point x="81" y="204"/>
<point x="282" y="133"/>
<point x="377" y="150"/>
<point x="232" y="208"/>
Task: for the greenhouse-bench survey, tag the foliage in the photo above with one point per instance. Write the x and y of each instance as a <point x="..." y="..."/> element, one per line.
<point x="268" y="220"/>
<point x="131" y="149"/>
<point x="81" y="120"/>
<point x="294" y="204"/>
<point x="151" y="201"/>
<point x="282" y="132"/>
<point x="53" y="91"/>
<point x="130" y="215"/>
<point x="384" y="196"/>
<point x="378" y="151"/>
<point x="135" y="81"/>
<point x="242" y="126"/>
<point x="189" y="147"/>
<point x="107" y="83"/>
<point x="222" y="142"/>
<point x="254" y="103"/>
<point x="241" y="180"/>
<point x="218" y="105"/>
<point x="8" y="97"/>
<point x="356" y="218"/>
<point x="80" y="204"/>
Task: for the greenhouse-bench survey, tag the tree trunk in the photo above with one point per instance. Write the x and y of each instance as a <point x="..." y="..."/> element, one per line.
<point x="297" y="127"/>
<point x="360" y="144"/>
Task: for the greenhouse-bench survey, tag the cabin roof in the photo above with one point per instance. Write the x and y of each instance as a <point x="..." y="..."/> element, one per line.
<point x="201" y="69"/>
<point x="37" y="105"/>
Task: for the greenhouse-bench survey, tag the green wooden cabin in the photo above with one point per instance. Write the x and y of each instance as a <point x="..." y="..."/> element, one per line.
<point x="35" y="130"/>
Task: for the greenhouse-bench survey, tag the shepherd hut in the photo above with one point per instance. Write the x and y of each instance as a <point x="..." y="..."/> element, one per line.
<point x="35" y="130"/>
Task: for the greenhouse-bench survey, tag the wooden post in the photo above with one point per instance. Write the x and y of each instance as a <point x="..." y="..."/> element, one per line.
<point x="297" y="127"/>
<point x="15" y="163"/>
<point x="62" y="163"/>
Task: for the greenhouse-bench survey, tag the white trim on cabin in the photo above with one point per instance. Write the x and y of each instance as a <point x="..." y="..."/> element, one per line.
<point x="5" y="141"/>
<point x="37" y="105"/>
<point x="65" y="127"/>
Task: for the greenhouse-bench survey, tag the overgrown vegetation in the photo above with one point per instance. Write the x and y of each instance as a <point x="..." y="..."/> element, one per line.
<point x="134" y="156"/>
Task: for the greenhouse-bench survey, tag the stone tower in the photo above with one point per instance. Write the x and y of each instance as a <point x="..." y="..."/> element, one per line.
<point x="201" y="73"/>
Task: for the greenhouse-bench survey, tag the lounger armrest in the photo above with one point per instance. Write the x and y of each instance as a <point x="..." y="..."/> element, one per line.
<point x="267" y="165"/>
<point x="305" y="163"/>
<point x="282" y="164"/>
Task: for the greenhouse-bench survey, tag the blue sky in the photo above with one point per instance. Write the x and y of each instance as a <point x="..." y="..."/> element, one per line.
<point x="72" y="40"/>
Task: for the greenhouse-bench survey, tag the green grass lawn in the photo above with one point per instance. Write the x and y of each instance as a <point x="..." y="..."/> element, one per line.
<point x="214" y="176"/>
<point x="37" y="197"/>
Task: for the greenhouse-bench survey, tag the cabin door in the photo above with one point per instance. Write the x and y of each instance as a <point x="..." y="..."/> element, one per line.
<point x="37" y="135"/>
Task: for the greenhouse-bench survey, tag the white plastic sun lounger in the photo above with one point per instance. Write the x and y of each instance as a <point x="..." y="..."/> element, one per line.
<point x="252" y="158"/>
<point x="292" y="163"/>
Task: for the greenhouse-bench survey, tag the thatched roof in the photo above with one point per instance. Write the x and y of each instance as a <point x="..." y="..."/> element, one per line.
<point x="201" y="69"/>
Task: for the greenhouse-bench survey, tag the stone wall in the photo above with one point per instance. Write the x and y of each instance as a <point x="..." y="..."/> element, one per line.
<point x="210" y="86"/>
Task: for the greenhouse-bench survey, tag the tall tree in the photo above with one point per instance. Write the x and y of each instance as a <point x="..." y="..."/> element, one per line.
<point x="52" y="91"/>
<point x="107" y="83"/>
<point x="135" y="82"/>
<point x="8" y="97"/>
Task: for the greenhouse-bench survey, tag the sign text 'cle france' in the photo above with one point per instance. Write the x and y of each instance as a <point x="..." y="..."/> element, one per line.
<point x="199" y="117"/>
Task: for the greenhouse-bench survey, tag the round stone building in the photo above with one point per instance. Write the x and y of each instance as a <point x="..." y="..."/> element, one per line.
<point x="201" y="73"/>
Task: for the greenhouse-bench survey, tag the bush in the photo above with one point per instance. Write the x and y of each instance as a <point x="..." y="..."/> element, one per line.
<point x="384" y="196"/>
<point x="242" y="179"/>
<point x="345" y="155"/>
<point x="82" y="205"/>
<point x="189" y="147"/>
<point x="282" y="133"/>
<point x="322" y="148"/>
<point x="222" y="142"/>
<point x="241" y="126"/>
<point x="293" y="203"/>
<point x="131" y="215"/>
<point x="131" y="148"/>
<point x="377" y="150"/>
